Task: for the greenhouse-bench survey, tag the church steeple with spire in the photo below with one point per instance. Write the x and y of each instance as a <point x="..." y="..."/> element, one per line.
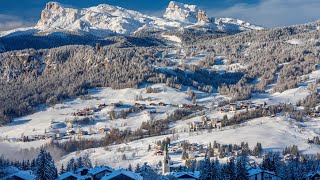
<point x="166" y="161"/>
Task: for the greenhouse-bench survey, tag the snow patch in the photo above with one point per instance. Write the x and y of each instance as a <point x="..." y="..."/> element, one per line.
<point x="172" y="38"/>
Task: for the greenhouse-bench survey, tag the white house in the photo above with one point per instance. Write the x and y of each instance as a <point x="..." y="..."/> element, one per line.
<point x="259" y="174"/>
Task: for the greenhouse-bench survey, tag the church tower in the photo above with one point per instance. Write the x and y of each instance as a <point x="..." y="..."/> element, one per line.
<point x="166" y="161"/>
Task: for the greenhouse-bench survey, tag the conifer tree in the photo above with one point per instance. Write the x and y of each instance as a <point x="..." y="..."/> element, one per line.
<point x="44" y="166"/>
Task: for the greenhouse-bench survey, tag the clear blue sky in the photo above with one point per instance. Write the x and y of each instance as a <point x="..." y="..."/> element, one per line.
<point x="269" y="13"/>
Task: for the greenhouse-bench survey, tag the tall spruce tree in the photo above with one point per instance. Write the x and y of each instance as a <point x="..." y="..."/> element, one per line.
<point x="87" y="161"/>
<point x="205" y="170"/>
<point x="44" y="167"/>
<point x="242" y="172"/>
<point x="71" y="166"/>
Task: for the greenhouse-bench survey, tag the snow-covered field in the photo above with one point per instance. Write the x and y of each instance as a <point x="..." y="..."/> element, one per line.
<point x="175" y="39"/>
<point x="274" y="134"/>
<point x="37" y="123"/>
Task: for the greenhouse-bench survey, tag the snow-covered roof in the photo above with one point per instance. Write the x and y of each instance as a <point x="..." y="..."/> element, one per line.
<point x="68" y="174"/>
<point x="116" y="173"/>
<point x="99" y="169"/>
<point x="313" y="173"/>
<point x="195" y="174"/>
<point x="27" y="175"/>
<point x="255" y="171"/>
<point x="252" y="172"/>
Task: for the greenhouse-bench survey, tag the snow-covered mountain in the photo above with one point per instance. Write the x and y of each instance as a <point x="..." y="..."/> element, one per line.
<point x="101" y="20"/>
<point x="182" y="12"/>
<point x="106" y="20"/>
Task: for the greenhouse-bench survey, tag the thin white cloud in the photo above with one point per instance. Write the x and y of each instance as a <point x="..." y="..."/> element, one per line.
<point x="8" y="22"/>
<point x="273" y="13"/>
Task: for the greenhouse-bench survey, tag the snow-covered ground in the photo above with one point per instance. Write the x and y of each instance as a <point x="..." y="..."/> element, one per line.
<point x="288" y="96"/>
<point x="38" y="123"/>
<point x="274" y="134"/>
<point x="176" y="40"/>
<point x="294" y="41"/>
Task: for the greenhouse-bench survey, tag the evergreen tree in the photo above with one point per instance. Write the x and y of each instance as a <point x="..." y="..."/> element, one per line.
<point x="44" y="166"/>
<point x="79" y="163"/>
<point x="242" y="160"/>
<point x="267" y="163"/>
<point x="62" y="170"/>
<point x="295" y="169"/>
<point x="193" y="165"/>
<point x="137" y="168"/>
<point x="147" y="172"/>
<point x="215" y="169"/>
<point x="86" y="161"/>
<point x="71" y="166"/>
<point x="24" y="165"/>
<point x="225" y="175"/>
<point x="185" y="155"/>
<point x="272" y="162"/>
<point x="33" y="164"/>
<point x="129" y="167"/>
<point x="229" y="170"/>
<point x="205" y="170"/>
<point x="257" y="151"/>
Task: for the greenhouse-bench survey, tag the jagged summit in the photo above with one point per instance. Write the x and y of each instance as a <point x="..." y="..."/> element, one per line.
<point x="181" y="12"/>
<point x="185" y="13"/>
<point x="101" y="20"/>
<point x="53" y="6"/>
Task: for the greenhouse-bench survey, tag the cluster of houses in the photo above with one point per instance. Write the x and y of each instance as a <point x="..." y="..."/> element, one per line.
<point x="243" y="105"/>
<point x="177" y="149"/>
<point x="58" y="135"/>
<point x="191" y="106"/>
<point x="96" y="173"/>
<point x="89" y="111"/>
<point x="100" y="172"/>
<point x="314" y="113"/>
<point x="29" y="138"/>
<point x="122" y="109"/>
<point x="254" y="172"/>
<point x="194" y="151"/>
<point x="63" y="130"/>
<point x="206" y="123"/>
<point x="106" y="173"/>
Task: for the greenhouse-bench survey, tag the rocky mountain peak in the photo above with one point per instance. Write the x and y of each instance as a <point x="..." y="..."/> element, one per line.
<point x="53" y="7"/>
<point x="181" y="12"/>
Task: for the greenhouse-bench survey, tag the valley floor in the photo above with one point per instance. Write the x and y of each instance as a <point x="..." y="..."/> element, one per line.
<point x="275" y="133"/>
